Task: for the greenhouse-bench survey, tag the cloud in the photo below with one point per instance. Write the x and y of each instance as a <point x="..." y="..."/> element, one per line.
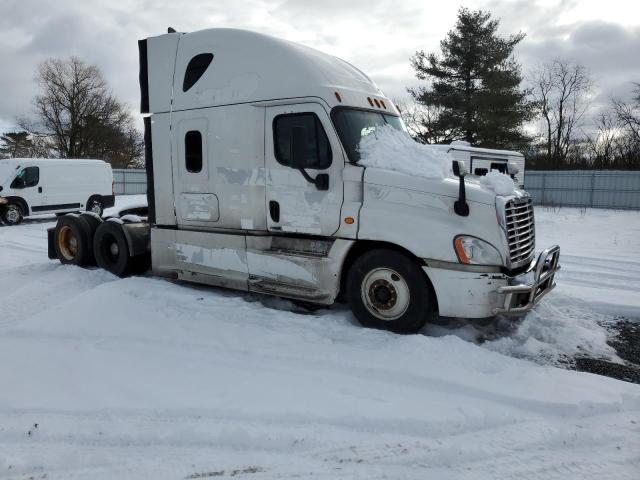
<point x="378" y="36"/>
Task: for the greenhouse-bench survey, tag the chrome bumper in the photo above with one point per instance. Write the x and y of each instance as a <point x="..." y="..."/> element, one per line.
<point x="521" y="298"/>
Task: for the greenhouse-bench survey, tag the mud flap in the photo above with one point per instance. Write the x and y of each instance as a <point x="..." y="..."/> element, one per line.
<point x="51" y="249"/>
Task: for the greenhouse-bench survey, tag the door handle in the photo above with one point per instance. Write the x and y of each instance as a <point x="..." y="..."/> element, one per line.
<point x="274" y="210"/>
<point x="39" y="189"/>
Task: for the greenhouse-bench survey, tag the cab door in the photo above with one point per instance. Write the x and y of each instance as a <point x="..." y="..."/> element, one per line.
<point x="294" y="203"/>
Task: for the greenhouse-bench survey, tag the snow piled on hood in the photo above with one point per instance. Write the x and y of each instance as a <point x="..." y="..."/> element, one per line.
<point x="498" y="182"/>
<point x="392" y="149"/>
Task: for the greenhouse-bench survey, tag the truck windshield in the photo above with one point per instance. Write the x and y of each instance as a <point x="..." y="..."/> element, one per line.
<point x="353" y="124"/>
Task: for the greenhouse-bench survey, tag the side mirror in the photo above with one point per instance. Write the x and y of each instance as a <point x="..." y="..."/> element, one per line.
<point x="298" y="147"/>
<point x="460" y="168"/>
<point x="512" y="168"/>
<point x="298" y="159"/>
<point x="460" y="206"/>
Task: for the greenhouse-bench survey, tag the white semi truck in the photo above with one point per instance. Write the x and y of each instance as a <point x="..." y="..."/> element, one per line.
<point x="254" y="183"/>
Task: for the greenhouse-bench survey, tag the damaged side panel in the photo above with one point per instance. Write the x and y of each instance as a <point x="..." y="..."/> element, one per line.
<point x="299" y="268"/>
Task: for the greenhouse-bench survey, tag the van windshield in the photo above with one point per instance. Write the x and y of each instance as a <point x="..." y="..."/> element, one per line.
<point x="353" y="124"/>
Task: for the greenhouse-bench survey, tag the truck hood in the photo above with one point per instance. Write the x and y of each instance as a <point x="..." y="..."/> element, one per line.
<point x="447" y="187"/>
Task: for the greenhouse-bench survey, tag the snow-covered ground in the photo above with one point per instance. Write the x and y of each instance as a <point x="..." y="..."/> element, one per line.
<point x="107" y="378"/>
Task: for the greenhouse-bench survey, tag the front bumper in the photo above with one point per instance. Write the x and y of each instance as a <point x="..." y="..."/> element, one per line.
<point x="522" y="297"/>
<point x="476" y="294"/>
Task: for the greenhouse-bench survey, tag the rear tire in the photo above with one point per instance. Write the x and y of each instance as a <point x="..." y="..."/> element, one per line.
<point x="12" y="214"/>
<point x="112" y="250"/>
<point x="387" y="290"/>
<point x="72" y="241"/>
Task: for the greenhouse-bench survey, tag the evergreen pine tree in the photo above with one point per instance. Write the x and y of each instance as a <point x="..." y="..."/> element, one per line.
<point x="475" y="82"/>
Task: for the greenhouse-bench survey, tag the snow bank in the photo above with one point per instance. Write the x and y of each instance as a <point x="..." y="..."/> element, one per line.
<point x="391" y="149"/>
<point x="498" y="182"/>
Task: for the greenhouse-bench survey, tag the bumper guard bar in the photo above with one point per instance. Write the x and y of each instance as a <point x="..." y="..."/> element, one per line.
<point x="521" y="298"/>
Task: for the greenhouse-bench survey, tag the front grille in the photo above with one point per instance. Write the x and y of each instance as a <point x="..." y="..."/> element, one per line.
<point x="521" y="233"/>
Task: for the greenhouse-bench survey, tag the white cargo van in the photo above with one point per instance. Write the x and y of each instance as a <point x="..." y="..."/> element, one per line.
<point x="255" y="183"/>
<point x="31" y="186"/>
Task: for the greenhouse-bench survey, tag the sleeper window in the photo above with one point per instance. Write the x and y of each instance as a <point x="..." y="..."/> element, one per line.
<point x="193" y="151"/>
<point x="318" y="150"/>
<point x="28" y="177"/>
<point x="195" y="69"/>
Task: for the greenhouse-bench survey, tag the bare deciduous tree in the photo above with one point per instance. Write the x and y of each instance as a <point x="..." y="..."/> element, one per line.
<point x="79" y="115"/>
<point x="562" y="92"/>
<point x="602" y="143"/>
<point x="629" y="113"/>
<point x="422" y="122"/>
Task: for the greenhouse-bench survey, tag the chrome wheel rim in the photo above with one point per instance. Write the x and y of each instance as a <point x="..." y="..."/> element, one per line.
<point x="385" y="294"/>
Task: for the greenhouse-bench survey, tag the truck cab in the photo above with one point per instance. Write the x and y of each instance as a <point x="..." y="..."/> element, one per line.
<point x="255" y="183"/>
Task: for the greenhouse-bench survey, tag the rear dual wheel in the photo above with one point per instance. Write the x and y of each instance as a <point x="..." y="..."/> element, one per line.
<point x="72" y="240"/>
<point x="112" y="251"/>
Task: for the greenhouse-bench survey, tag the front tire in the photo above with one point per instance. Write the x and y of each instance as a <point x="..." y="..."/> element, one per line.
<point x="96" y="206"/>
<point x="12" y="214"/>
<point x="387" y="290"/>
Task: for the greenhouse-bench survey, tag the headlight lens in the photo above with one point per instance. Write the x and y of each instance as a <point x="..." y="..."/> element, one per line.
<point x="473" y="251"/>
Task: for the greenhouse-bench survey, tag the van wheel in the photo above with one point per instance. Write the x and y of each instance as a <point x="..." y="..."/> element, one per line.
<point x="12" y="214"/>
<point x="112" y="250"/>
<point x="72" y="241"/>
<point x="95" y="205"/>
<point x="387" y="290"/>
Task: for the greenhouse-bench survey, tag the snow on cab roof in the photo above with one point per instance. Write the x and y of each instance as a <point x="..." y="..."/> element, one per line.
<point x="466" y="147"/>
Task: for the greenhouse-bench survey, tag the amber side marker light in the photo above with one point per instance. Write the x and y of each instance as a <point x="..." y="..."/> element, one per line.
<point x="383" y="105"/>
<point x="338" y="97"/>
<point x="375" y="100"/>
<point x="462" y="255"/>
<point x="349" y="220"/>
<point x="370" y="101"/>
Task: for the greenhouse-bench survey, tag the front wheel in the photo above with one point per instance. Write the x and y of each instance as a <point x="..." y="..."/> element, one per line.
<point x="387" y="290"/>
<point x="12" y="214"/>
<point x="96" y="206"/>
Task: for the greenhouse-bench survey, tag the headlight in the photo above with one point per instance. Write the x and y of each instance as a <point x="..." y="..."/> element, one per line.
<point x="473" y="251"/>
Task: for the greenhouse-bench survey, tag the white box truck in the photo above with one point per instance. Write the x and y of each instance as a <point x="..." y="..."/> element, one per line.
<point x="254" y="183"/>
<point x="30" y="186"/>
<point x="480" y="161"/>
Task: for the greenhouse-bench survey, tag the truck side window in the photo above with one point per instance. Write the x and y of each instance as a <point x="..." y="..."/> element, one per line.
<point x="193" y="151"/>
<point x="28" y="177"/>
<point x="195" y="69"/>
<point x="318" y="151"/>
<point x="481" y="172"/>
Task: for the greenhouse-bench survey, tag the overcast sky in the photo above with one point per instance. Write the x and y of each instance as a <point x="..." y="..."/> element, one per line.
<point x="378" y="36"/>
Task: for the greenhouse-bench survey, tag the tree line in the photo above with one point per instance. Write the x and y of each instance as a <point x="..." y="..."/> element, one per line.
<point x="75" y="115"/>
<point x="476" y="92"/>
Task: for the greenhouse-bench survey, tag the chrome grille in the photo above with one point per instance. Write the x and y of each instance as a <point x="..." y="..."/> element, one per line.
<point x="521" y="234"/>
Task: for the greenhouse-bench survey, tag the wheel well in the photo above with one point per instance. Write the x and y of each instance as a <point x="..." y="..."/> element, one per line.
<point x="363" y="246"/>
<point x="20" y="201"/>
